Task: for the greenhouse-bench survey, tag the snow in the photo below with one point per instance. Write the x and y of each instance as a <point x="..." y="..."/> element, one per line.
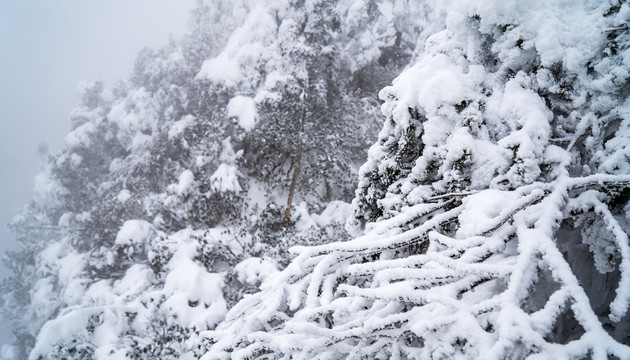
<point x="193" y="295"/>
<point x="227" y="152"/>
<point x="68" y="326"/>
<point x="303" y="220"/>
<point x="257" y="195"/>
<point x="123" y="196"/>
<point x="185" y="183"/>
<point x="386" y="8"/>
<point x="139" y="141"/>
<point x="48" y="190"/>
<point x="468" y="226"/>
<point x="482" y="208"/>
<point x="121" y="115"/>
<point x="80" y="136"/>
<point x="225" y="179"/>
<point x="490" y="216"/>
<point x="135" y="117"/>
<point x="51" y="254"/>
<point x="255" y="270"/>
<point x="74" y="290"/>
<point x="243" y="109"/>
<point x="245" y="47"/>
<point x="134" y="233"/>
<point x="335" y="212"/>
<point x="221" y="69"/>
<point x="137" y="279"/>
<point x="101" y="293"/>
<point x="43" y="298"/>
<point x="69" y="266"/>
<point x="178" y="127"/>
<point x="75" y="159"/>
<point x="189" y="293"/>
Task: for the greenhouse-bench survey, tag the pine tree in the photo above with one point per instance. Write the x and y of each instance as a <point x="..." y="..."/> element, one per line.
<point x="165" y="205"/>
<point x="494" y="205"/>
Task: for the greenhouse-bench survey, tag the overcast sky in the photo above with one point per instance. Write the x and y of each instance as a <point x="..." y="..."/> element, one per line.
<point x="46" y="48"/>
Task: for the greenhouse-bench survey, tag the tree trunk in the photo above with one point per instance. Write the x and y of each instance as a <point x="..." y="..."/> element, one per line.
<point x="298" y="161"/>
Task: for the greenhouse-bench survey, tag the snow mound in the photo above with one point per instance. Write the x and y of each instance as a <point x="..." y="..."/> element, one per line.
<point x="255" y="270"/>
<point x="185" y="183"/>
<point x="123" y="196"/>
<point x="335" y="212"/>
<point x="243" y="109"/>
<point x="134" y="232"/>
<point x="225" y="179"/>
<point x="194" y="295"/>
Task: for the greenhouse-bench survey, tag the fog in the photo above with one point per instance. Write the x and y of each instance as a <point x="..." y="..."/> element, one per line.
<point x="47" y="47"/>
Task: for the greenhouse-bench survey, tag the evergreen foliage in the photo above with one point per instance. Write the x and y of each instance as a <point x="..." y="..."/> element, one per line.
<point x="490" y="219"/>
<point x="493" y="206"/>
<point x="165" y="205"/>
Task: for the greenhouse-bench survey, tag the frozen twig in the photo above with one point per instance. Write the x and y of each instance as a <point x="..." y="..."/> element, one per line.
<point x="619" y="28"/>
<point x="451" y="195"/>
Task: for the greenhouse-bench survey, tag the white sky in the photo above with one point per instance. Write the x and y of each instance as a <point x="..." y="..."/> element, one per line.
<point x="46" y="48"/>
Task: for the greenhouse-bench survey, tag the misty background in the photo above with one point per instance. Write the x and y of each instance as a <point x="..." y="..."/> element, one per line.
<point x="47" y="47"/>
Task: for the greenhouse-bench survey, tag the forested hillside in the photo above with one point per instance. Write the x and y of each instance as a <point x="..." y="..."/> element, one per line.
<point x="331" y="179"/>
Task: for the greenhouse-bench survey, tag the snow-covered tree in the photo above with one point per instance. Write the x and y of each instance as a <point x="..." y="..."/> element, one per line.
<point x="295" y="75"/>
<point x="167" y="203"/>
<point x="492" y="214"/>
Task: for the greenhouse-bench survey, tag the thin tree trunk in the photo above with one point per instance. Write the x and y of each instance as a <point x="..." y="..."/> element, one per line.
<point x="298" y="162"/>
<point x="296" y="175"/>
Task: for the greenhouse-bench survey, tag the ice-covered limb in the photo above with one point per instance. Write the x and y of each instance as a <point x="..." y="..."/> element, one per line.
<point x="406" y="217"/>
<point x="450" y="195"/>
<point x="451" y="267"/>
<point x="373" y="241"/>
<point x="319" y="272"/>
<point x="619" y="306"/>
<point x="548" y="221"/>
<point x="605" y="181"/>
<point x="579" y="131"/>
<point x="509" y="213"/>
<point x="543" y="319"/>
<point x="416" y="263"/>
